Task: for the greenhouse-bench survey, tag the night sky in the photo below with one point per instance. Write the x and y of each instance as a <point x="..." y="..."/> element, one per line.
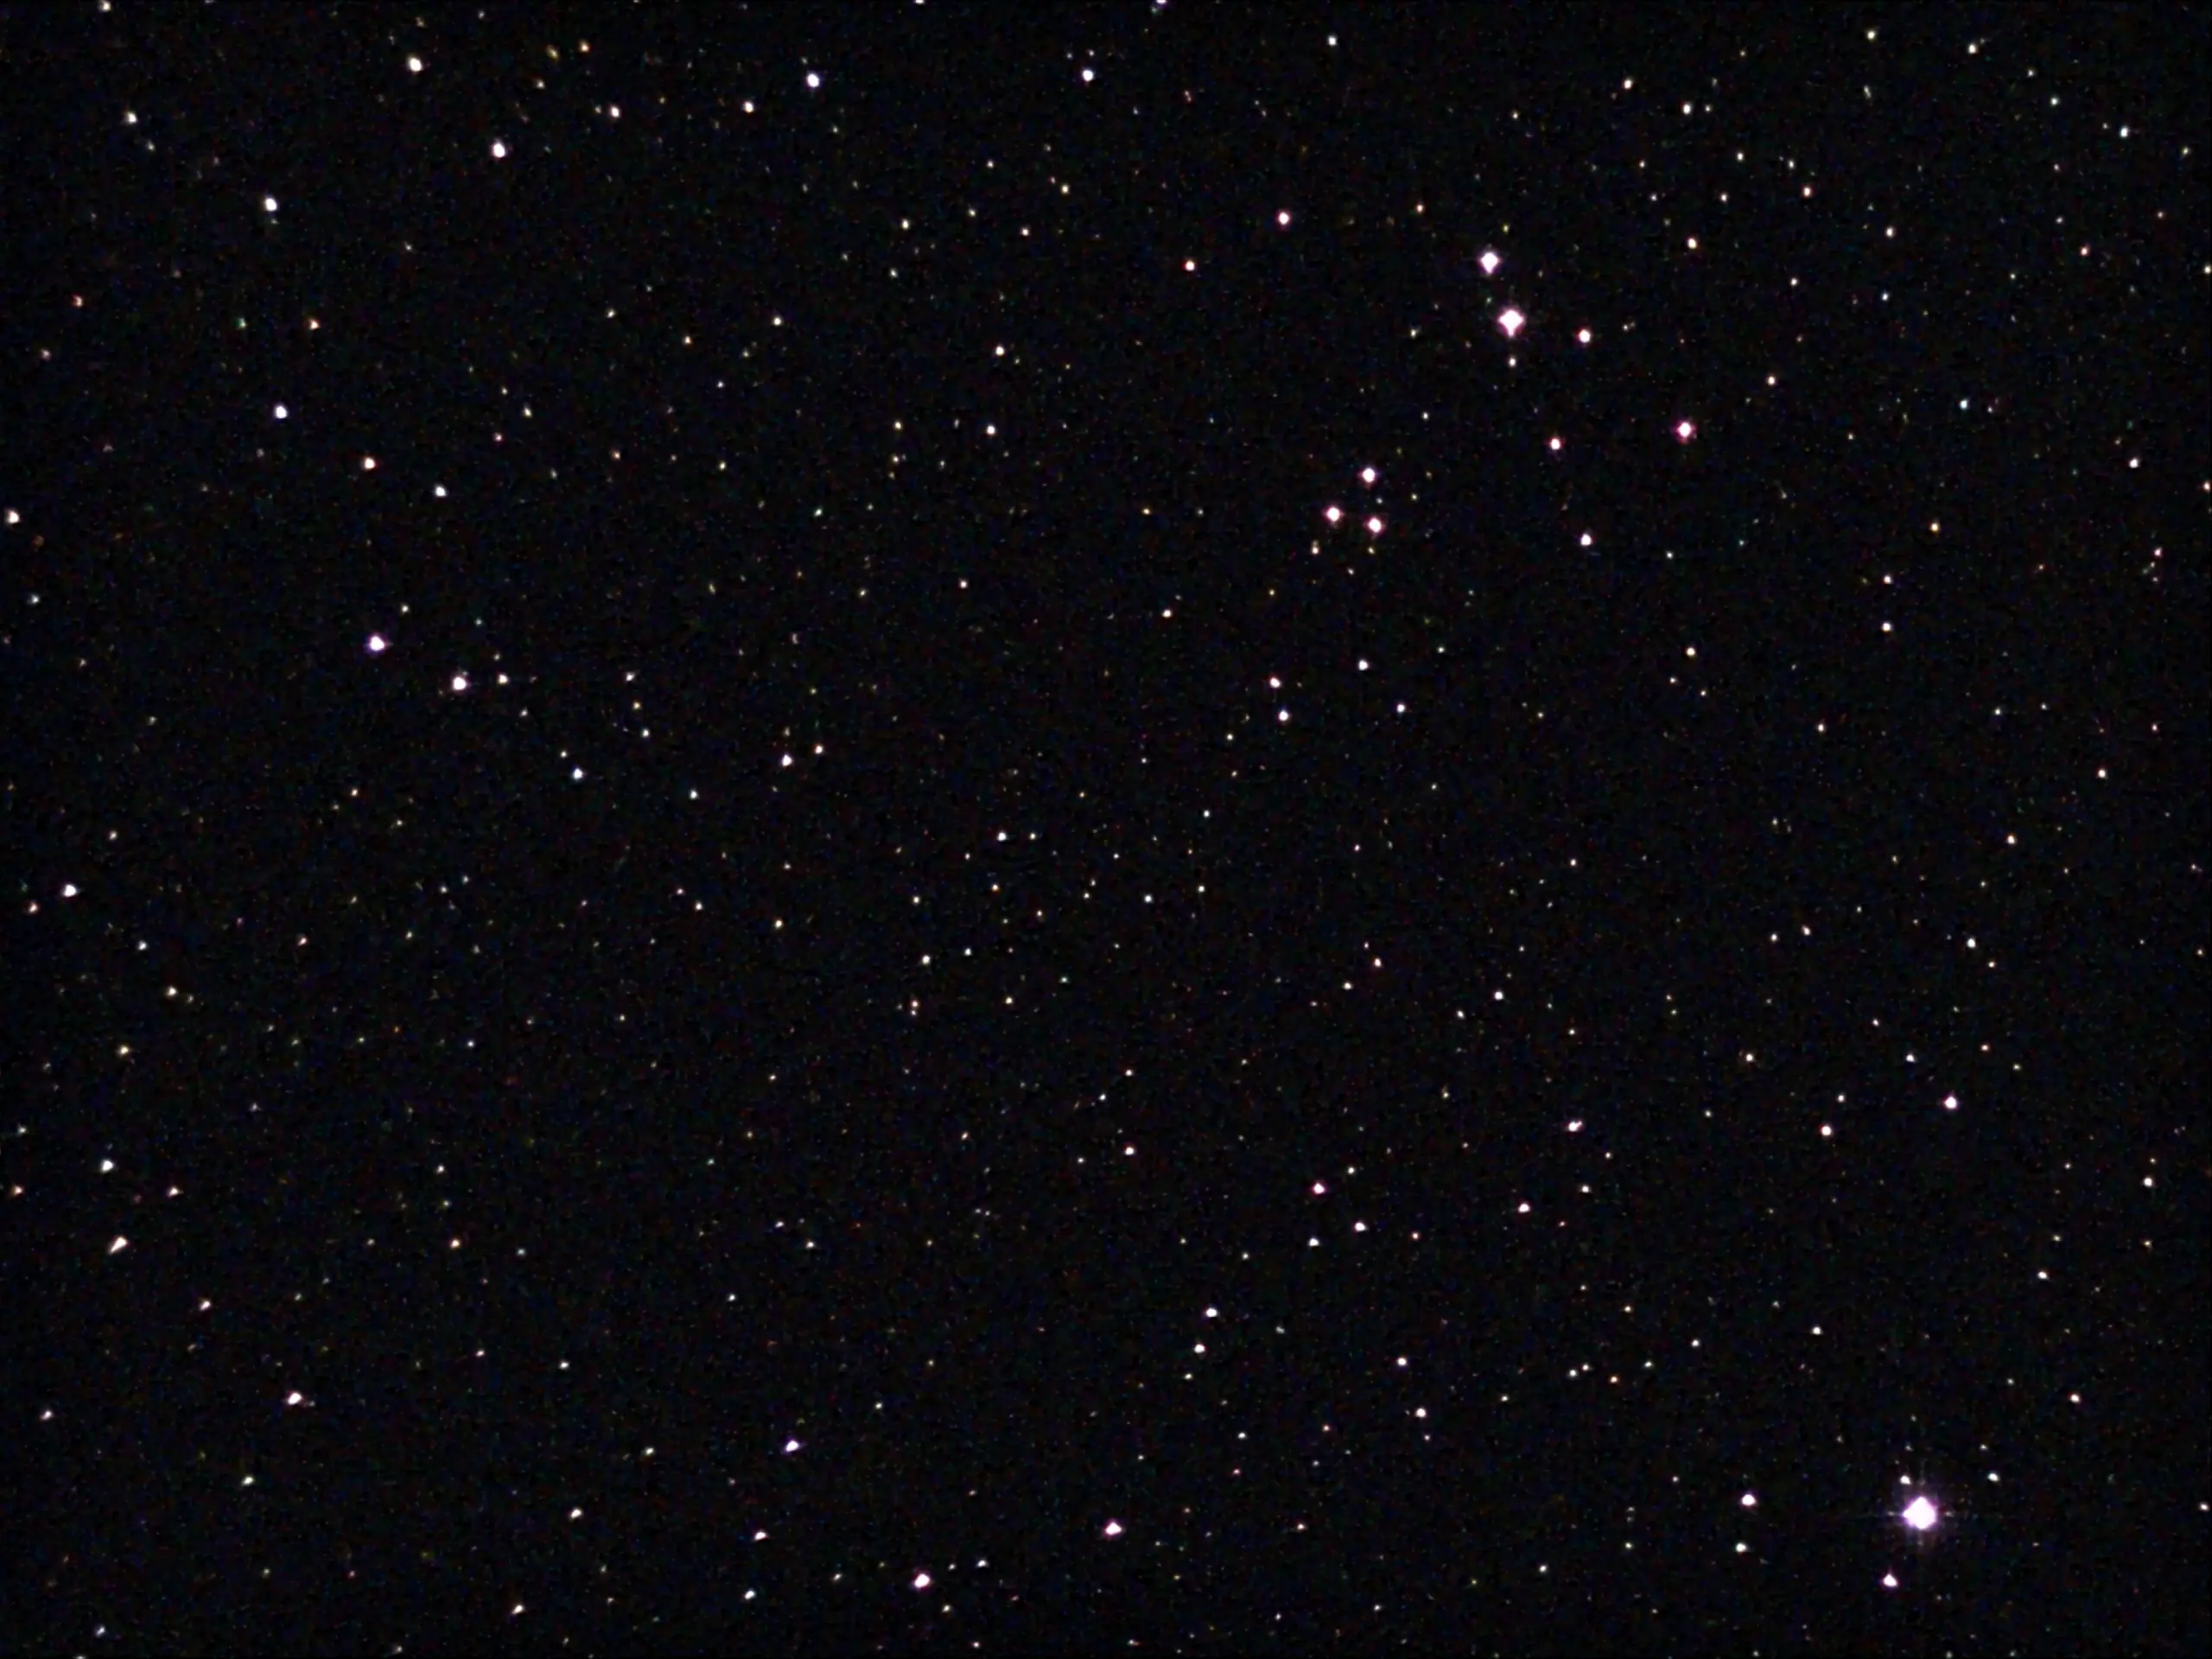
<point x="1154" y="828"/>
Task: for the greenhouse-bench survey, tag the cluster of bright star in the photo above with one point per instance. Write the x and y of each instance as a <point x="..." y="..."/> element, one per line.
<point x="1510" y="322"/>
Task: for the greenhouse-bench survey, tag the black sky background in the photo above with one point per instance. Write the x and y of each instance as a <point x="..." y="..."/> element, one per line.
<point x="577" y="1142"/>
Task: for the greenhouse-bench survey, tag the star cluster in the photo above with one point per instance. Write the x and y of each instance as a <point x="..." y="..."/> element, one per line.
<point x="941" y="827"/>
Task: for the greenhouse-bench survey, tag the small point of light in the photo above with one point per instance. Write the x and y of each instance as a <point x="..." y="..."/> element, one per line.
<point x="790" y="1446"/>
<point x="1685" y="431"/>
<point x="1374" y="526"/>
<point x="1750" y="1500"/>
<point x="1511" y="321"/>
<point x="377" y="644"/>
<point x="813" y="80"/>
<point x="921" y="1581"/>
<point x="1334" y="515"/>
<point x="498" y="150"/>
<point x="1283" y="217"/>
<point x="460" y="683"/>
<point x="1113" y="1529"/>
<point x="1582" y="336"/>
<point x="1920" y="1513"/>
<point x="1490" y="263"/>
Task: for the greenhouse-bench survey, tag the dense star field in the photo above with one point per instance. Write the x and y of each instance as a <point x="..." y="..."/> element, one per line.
<point x="1154" y="828"/>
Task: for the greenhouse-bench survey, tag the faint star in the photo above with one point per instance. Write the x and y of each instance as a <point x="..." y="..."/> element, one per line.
<point x="1490" y="262"/>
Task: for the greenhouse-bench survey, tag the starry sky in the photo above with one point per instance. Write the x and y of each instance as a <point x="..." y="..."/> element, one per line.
<point x="1153" y="827"/>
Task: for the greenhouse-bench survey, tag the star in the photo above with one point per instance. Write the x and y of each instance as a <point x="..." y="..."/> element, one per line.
<point x="1920" y="1515"/>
